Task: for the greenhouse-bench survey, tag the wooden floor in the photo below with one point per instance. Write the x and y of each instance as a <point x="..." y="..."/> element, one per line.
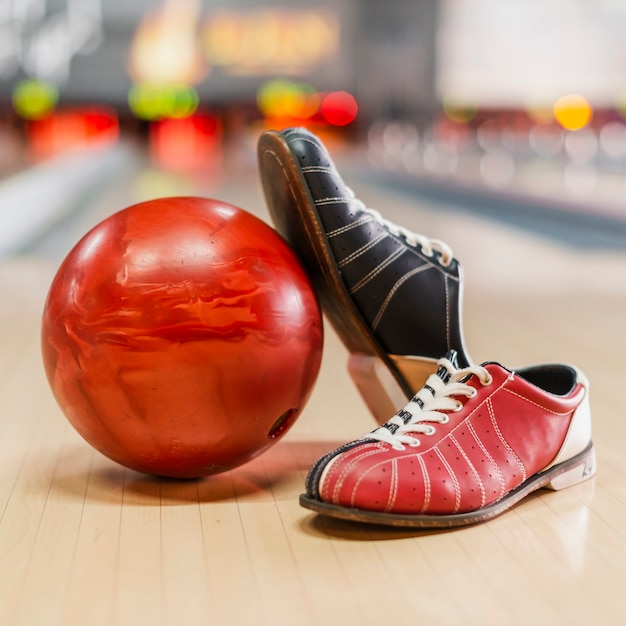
<point x="85" y="542"/>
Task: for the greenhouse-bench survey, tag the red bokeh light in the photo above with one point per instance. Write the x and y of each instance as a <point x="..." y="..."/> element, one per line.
<point x="339" y="108"/>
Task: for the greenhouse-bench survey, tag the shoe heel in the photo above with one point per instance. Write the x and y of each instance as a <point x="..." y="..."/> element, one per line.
<point x="415" y="371"/>
<point x="583" y="470"/>
<point x="378" y="388"/>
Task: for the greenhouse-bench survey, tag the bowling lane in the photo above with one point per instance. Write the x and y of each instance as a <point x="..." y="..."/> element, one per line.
<point x="83" y="540"/>
<point x="69" y="205"/>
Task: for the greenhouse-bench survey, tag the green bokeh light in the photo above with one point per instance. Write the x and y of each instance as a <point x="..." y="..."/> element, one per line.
<point x="34" y="99"/>
<point x="154" y="102"/>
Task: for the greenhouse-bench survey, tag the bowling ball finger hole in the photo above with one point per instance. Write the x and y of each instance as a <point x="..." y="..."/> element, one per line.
<point x="282" y="423"/>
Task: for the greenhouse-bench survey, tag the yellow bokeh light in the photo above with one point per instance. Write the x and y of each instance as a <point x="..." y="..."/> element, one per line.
<point x="284" y="98"/>
<point x="572" y="112"/>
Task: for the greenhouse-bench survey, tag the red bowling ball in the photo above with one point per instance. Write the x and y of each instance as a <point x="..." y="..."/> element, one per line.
<point x="181" y="337"/>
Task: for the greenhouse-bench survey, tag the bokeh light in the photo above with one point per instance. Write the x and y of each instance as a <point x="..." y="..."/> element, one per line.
<point x="540" y="114"/>
<point x="154" y="102"/>
<point x="572" y="111"/>
<point x="286" y="99"/>
<point x="187" y="145"/>
<point x="339" y="108"/>
<point x="34" y="99"/>
<point x="613" y="139"/>
<point x="456" y="112"/>
<point x="582" y="146"/>
<point x="71" y="127"/>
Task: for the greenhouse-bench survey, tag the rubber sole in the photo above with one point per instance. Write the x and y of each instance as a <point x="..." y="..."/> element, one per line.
<point x="573" y="471"/>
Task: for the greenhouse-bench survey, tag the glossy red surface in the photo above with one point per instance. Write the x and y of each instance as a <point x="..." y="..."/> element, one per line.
<point x="181" y="337"/>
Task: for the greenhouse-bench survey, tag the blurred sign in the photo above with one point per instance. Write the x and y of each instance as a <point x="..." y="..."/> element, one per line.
<point x="94" y="51"/>
<point x="271" y="40"/>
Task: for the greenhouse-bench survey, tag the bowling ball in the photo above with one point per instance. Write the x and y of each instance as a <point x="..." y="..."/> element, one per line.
<point x="181" y="337"/>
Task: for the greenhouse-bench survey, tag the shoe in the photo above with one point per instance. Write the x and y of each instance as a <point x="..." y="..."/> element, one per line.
<point x="472" y="443"/>
<point x="393" y="296"/>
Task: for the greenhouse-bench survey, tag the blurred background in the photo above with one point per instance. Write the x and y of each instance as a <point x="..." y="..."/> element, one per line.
<point x="516" y="110"/>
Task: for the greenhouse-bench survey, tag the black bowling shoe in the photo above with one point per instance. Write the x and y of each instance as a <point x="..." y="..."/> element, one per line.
<point x="394" y="297"/>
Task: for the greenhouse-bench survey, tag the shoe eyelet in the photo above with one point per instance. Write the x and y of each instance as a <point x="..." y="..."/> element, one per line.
<point x="431" y="431"/>
<point x="473" y="393"/>
<point x="415" y="444"/>
<point x="456" y="409"/>
<point x="446" y="418"/>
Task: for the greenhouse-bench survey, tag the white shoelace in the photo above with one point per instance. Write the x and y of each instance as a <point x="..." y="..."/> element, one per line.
<point x="427" y="244"/>
<point x="430" y="405"/>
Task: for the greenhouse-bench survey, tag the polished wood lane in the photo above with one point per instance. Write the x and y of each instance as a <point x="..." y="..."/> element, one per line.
<point x="85" y="541"/>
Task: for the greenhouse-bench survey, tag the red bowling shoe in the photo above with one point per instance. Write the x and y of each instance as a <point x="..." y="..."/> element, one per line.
<point x="472" y="443"/>
<point x="393" y="296"/>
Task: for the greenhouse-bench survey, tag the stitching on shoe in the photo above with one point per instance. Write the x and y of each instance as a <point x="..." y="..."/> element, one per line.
<point x="393" y="487"/>
<point x="423" y="257"/>
<point x="393" y="291"/>
<point x="382" y="449"/>
<point x="362" y="250"/>
<point x="315" y="472"/>
<point x="324" y="169"/>
<point x="492" y="416"/>
<point x="284" y="171"/>
<point x="483" y="496"/>
<point x="350" y="226"/>
<point x="377" y="270"/>
<point x="346" y="470"/>
<point x="321" y="152"/>
<point x="366" y="219"/>
<point x="338" y="200"/>
<point x="513" y="393"/>
<point x="445" y="287"/>
<point x="426" y="477"/>
<point x="339" y="480"/>
<point x="455" y="480"/>
<point x="491" y="460"/>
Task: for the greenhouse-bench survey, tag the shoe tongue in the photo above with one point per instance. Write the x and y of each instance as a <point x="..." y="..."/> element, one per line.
<point x="442" y="372"/>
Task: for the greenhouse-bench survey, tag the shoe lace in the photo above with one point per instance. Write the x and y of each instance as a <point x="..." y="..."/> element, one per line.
<point x="427" y="245"/>
<point x="430" y="405"/>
